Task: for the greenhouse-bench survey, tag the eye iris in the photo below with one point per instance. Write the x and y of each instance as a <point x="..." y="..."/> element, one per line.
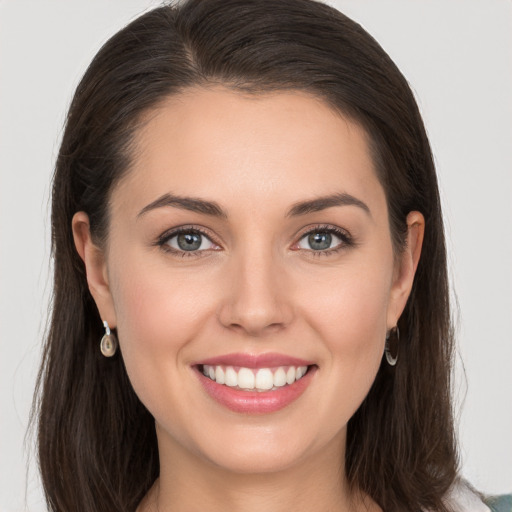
<point x="320" y="241"/>
<point x="189" y="241"/>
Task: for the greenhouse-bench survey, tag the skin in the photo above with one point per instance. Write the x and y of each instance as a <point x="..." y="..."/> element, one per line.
<point x="258" y="287"/>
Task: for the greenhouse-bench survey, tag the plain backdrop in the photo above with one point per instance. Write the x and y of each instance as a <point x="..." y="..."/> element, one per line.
<point x="457" y="56"/>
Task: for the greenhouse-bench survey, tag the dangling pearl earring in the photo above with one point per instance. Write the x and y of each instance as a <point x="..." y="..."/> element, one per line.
<point x="108" y="344"/>
<point x="391" y="350"/>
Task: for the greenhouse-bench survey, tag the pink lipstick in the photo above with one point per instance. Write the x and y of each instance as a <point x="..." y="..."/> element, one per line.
<point x="255" y="384"/>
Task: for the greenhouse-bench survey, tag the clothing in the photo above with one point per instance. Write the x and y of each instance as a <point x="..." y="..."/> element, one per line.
<point x="500" y="503"/>
<point x="463" y="499"/>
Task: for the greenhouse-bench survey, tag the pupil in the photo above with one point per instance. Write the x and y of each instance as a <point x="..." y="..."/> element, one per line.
<point x="189" y="241"/>
<point x="320" y="241"/>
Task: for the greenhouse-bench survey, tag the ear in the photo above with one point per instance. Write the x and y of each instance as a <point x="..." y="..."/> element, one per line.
<point x="406" y="267"/>
<point x="95" y="267"/>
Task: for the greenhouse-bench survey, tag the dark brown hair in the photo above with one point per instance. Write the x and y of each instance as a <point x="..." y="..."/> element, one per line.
<point x="97" y="442"/>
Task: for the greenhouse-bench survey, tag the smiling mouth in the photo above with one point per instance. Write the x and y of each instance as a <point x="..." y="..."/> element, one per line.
<point x="254" y="379"/>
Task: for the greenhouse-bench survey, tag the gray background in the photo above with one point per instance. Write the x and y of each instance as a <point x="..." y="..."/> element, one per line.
<point x="457" y="57"/>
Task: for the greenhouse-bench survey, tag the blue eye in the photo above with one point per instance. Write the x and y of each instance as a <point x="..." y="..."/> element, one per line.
<point x="320" y="241"/>
<point x="324" y="239"/>
<point x="187" y="241"/>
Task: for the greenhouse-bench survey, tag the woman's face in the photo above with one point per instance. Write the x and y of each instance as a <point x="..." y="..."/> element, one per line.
<point x="250" y="241"/>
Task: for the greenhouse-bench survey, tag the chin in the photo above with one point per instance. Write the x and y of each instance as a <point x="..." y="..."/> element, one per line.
<point x="256" y="461"/>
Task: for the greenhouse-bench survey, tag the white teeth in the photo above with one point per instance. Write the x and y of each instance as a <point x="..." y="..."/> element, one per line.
<point x="246" y="378"/>
<point x="219" y="375"/>
<point x="279" y="378"/>
<point x="263" y="379"/>
<point x="231" y="377"/>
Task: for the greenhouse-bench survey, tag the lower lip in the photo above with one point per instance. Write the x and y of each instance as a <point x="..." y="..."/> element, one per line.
<point x="256" y="402"/>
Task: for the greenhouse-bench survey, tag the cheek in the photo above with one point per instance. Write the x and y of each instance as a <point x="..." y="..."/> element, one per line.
<point x="351" y="306"/>
<point x="350" y="317"/>
<point x="158" y="314"/>
<point x="155" y="301"/>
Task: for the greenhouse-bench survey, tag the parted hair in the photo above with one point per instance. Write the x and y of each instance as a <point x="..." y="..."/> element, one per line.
<point x="96" y="441"/>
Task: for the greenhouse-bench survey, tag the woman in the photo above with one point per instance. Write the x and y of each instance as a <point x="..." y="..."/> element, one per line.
<point x="246" y="214"/>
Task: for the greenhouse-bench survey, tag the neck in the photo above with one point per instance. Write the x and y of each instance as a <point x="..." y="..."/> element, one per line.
<point x="188" y="483"/>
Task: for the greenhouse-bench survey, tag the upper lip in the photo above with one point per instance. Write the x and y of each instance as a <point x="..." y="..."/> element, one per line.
<point x="268" y="360"/>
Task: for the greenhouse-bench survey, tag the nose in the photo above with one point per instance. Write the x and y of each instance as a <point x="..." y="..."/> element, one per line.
<point x="257" y="298"/>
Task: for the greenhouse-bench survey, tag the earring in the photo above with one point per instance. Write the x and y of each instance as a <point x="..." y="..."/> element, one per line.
<point x="108" y="344"/>
<point x="391" y="350"/>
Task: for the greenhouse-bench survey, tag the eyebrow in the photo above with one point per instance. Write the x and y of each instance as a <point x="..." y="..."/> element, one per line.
<point x="186" y="203"/>
<point x="322" y="203"/>
<point x="213" y="209"/>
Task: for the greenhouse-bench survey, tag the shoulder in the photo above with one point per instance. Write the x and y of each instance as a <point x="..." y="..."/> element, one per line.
<point x="500" y="503"/>
<point x="462" y="498"/>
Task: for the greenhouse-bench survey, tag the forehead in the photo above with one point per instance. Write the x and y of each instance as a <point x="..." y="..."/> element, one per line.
<point x="223" y="145"/>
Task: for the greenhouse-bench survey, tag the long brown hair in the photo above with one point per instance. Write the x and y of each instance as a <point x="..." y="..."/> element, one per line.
<point x="97" y="442"/>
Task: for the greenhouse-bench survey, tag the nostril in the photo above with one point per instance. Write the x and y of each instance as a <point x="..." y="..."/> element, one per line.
<point x="255" y="308"/>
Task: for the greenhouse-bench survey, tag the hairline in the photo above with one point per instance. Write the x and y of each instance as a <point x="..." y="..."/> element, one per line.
<point x="251" y="91"/>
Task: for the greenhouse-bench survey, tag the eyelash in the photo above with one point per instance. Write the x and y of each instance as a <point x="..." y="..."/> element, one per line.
<point x="163" y="241"/>
<point x="347" y="240"/>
